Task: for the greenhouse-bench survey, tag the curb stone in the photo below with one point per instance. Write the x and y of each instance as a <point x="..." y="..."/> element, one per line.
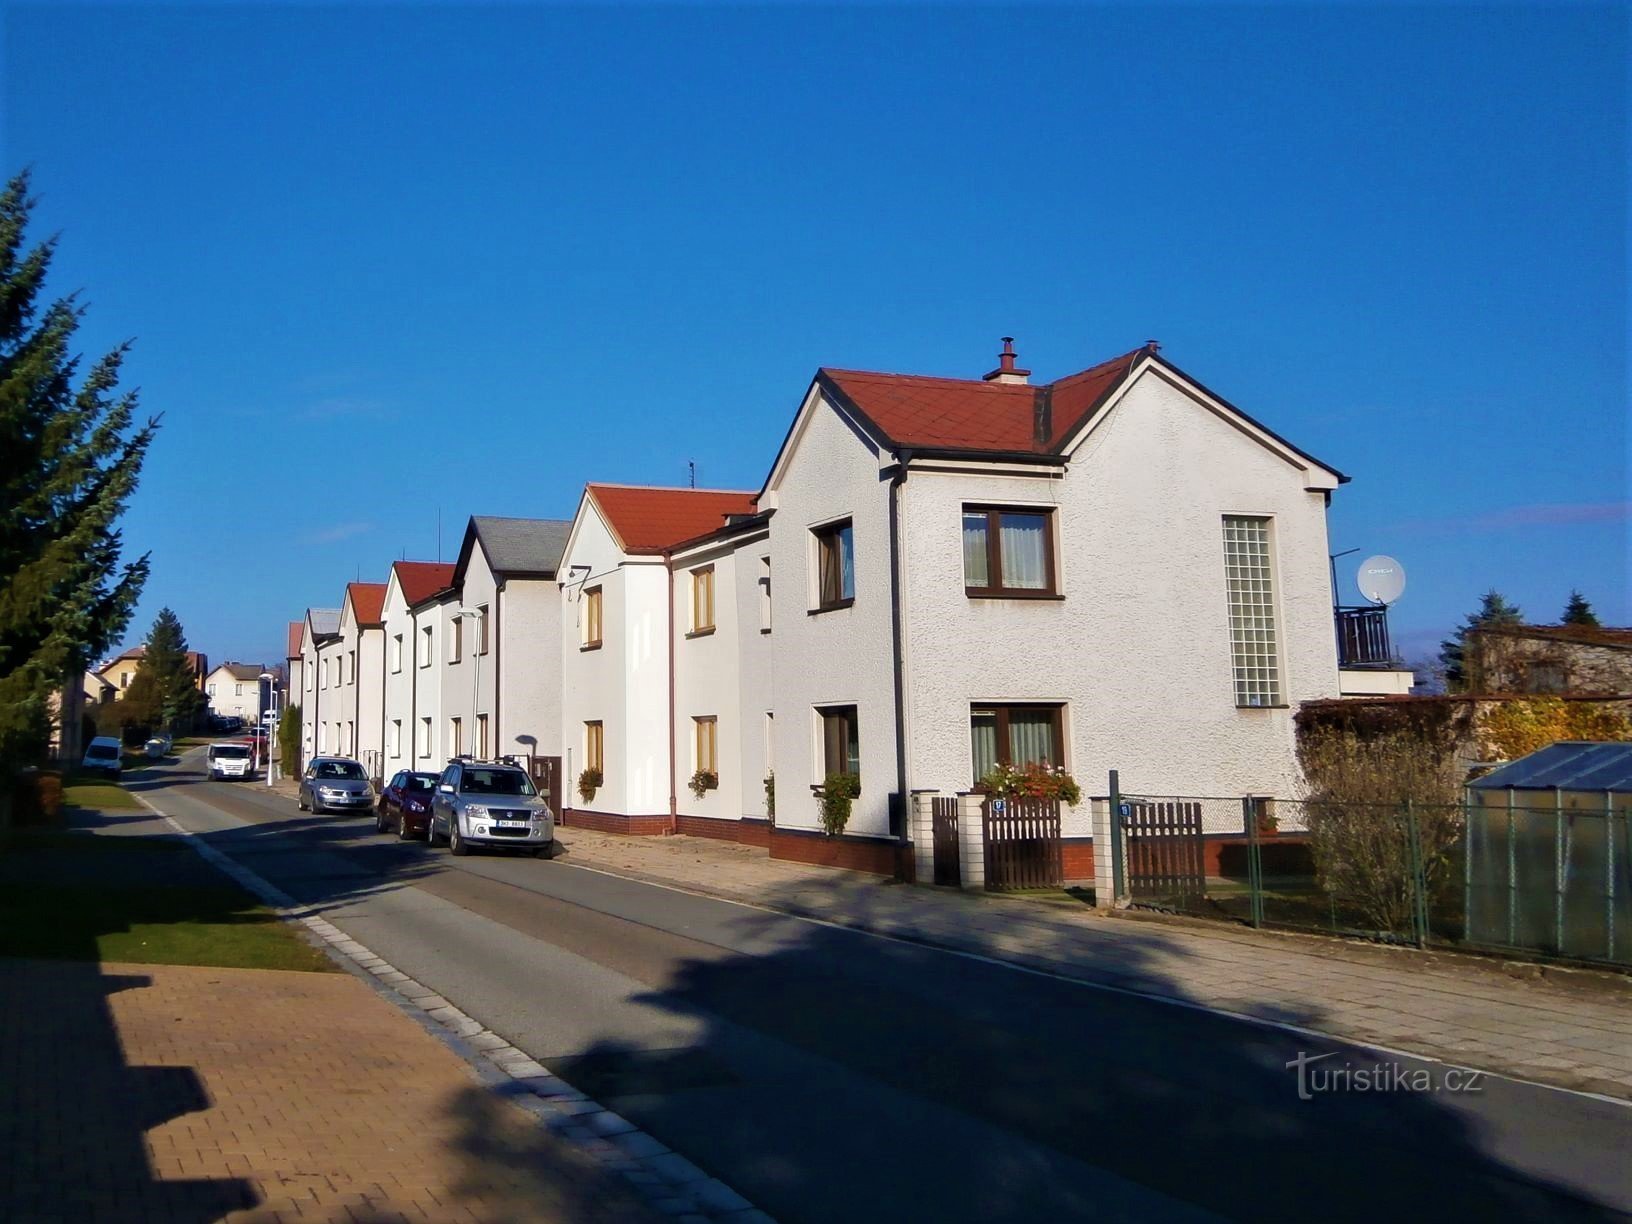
<point x="667" y="1181"/>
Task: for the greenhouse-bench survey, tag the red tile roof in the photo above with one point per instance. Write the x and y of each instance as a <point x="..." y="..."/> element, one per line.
<point x="420" y="580"/>
<point x="295" y="630"/>
<point x="912" y="410"/>
<point x="648" y="520"/>
<point x="367" y="601"/>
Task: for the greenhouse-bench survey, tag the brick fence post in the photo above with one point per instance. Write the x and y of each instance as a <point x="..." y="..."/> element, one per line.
<point x="972" y="840"/>
<point x="923" y="836"/>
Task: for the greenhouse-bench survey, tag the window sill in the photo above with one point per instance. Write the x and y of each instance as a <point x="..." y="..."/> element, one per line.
<point x="1282" y="706"/>
<point x="832" y="607"/>
<point x="1051" y="596"/>
<point x="589" y="646"/>
<point x="697" y="633"/>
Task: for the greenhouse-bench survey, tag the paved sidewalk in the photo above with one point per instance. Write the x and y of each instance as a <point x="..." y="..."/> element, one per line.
<point x="180" y="1093"/>
<point x="1569" y="1029"/>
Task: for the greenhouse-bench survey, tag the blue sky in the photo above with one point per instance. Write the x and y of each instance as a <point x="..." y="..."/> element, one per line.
<point x="385" y="261"/>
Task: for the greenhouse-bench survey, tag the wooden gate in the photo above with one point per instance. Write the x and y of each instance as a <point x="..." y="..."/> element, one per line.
<point x="1166" y="867"/>
<point x="944" y="818"/>
<point x="1023" y="844"/>
<point x="546" y="774"/>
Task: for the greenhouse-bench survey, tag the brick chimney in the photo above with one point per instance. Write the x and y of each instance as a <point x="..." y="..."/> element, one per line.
<point x="1006" y="371"/>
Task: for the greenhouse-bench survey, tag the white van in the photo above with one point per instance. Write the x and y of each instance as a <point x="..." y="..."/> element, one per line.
<point x="230" y="760"/>
<point x="104" y="754"/>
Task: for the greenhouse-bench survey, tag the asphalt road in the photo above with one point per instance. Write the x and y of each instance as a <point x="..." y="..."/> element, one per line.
<point x="830" y="1075"/>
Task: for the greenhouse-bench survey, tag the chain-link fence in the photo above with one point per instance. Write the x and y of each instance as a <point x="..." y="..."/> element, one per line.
<point x="1554" y="881"/>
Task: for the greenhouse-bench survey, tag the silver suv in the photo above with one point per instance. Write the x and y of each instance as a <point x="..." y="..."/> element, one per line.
<point x="489" y="803"/>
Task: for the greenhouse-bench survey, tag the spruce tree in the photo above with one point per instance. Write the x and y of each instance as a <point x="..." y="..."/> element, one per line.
<point x="1493" y="610"/>
<point x="180" y="701"/>
<point x="69" y="462"/>
<point x="1579" y="612"/>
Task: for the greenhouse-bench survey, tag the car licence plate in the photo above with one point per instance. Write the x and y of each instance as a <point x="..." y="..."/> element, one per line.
<point x="510" y="824"/>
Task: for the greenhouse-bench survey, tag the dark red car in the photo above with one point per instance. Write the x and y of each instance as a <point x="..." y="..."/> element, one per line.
<point x="405" y="804"/>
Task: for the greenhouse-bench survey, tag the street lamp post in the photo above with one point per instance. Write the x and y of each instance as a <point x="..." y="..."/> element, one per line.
<point x="270" y="729"/>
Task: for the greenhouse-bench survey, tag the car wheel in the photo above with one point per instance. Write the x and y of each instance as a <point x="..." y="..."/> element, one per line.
<point x="300" y="802"/>
<point x="432" y="838"/>
<point x="404" y="833"/>
<point x="379" y="819"/>
<point x="456" y="840"/>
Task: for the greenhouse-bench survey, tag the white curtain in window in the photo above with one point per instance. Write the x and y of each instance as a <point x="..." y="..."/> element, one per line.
<point x="976" y="573"/>
<point x="1021" y="541"/>
<point x="847" y="564"/>
<point x="1031" y="738"/>
<point x="983" y="742"/>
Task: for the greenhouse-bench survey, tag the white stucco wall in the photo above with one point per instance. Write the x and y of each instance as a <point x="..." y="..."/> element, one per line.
<point x="1138" y="647"/>
<point x="707" y="683"/>
<point x="529" y="663"/>
<point x="330" y="709"/>
<point x="472" y="693"/>
<point x="842" y="657"/>
<point x="593" y="685"/>
<point x="756" y="673"/>
<point x="425" y="687"/>
<point x="398" y="677"/>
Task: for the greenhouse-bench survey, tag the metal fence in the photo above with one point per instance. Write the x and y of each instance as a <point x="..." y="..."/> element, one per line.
<point x="1552" y="881"/>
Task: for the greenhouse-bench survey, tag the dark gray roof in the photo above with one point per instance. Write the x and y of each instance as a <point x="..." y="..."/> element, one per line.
<point x="1566" y="766"/>
<point x="325" y="621"/>
<point x="522" y="546"/>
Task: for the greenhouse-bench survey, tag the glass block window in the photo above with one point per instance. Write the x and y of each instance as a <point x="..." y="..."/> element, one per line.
<point x="1252" y="612"/>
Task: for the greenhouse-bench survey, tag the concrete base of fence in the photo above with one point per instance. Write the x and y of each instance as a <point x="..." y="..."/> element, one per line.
<point x="972" y="840"/>
<point x="1104" y="878"/>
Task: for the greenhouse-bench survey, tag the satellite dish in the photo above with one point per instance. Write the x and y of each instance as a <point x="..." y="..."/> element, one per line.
<point x="1380" y="579"/>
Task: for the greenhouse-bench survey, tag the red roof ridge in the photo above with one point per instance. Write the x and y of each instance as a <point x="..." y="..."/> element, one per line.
<point x="419" y="580"/>
<point x="1095" y="370"/>
<point x="613" y="484"/>
<point x="367" y="601"/>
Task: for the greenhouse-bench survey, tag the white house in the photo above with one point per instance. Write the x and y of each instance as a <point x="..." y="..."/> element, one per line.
<point x="319" y="628"/>
<point x="1117" y="570"/>
<point x="358" y="709"/>
<point x="615" y="651"/>
<point x="234" y="691"/>
<point x="413" y="592"/>
<point x="500" y="635"/>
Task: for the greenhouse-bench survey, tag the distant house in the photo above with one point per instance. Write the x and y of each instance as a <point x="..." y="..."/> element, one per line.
<point x="357" y="712"/>
<point x="617" y="640"/>
<point x="501" y="633"/>
<point x="234" y="691"/>
<point x="293" y="676"/>
<point x="414" y="594"/>
<point x="119" y="671"/>
<point x="1572" y="660"/>
<point x="320" y="630"/>
<point x="97" y="689"/>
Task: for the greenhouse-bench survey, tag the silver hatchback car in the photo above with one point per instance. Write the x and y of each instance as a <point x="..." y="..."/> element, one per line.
<point x="335" y="784"/>
<point x="487" y="803"/>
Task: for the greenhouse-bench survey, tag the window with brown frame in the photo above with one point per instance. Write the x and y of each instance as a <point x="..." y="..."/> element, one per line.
<point x="1017" y="735"/>
<point x="835" y="566"/>
<point x="456" y="640"/>
<point x="841" y="740"/>
<point x="481" y="629"/>
<point x="592" y="619"/>
<point x="594" y="746"/>
<point x="705" y="730"/>
<point x="456" y="738"/>
<point x="702" y="600"/>
<point x="1008" y="552"/>
<point x="481" y="736"/>
<point x="764" y="594"/>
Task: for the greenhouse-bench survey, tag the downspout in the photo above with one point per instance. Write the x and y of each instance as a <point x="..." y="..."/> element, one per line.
<point x="674" y="806"/>
<point x="898" y="635"/>
<point x="382" y="705"/>
<point x="413" y="688"/>
<point x="498" y="706"/>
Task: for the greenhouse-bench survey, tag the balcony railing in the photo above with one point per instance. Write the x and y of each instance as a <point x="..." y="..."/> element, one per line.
<point x="1362" y="638"/>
